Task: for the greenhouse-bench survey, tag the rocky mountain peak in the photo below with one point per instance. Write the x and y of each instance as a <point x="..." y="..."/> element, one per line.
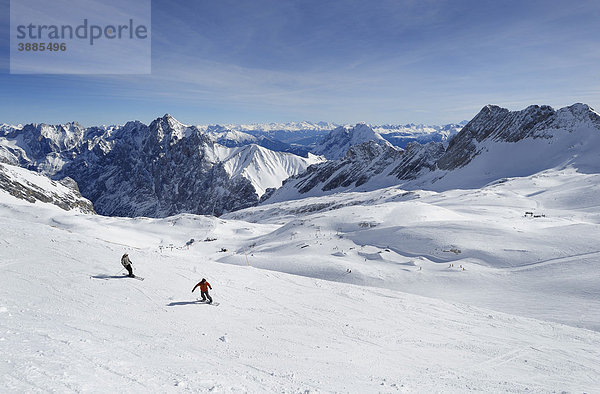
<point x="578" y="112"/>
<point x="169" y="128"/>
<point x="335" y="144"/>
<point x="497" y="124"/>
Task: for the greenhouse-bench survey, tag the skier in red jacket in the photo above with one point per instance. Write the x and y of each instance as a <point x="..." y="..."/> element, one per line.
<point x="204" y="286"/>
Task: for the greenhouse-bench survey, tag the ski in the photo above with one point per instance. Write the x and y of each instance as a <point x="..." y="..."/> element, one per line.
<point x="107" y="277"/>
<point x="208" y="303"/>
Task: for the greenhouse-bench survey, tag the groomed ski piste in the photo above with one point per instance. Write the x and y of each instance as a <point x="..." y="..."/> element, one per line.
<point x="356" y="292"/>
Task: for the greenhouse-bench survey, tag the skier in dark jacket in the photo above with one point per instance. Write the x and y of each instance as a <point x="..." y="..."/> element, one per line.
<point x="204" y="286"/>
<point x="127" y="264"/>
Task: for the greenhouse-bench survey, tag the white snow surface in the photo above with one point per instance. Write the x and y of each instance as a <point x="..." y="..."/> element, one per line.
<point x="539" y="267"/>
<point x="263" y="167"/>
<point x="522" y="317"/>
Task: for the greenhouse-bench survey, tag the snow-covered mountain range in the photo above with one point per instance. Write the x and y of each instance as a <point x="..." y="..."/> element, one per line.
<point x="335" y="145"/>
<point x="402" y="135"/>
<point x="497" y="143"/>
<point x="291" y="132"/>
<point x="156" y="170"/>
<point x="168" y="167"/>
<point x="295" y="137"/>
<point x="234" y="138"/>
<point x="303" y="137"/>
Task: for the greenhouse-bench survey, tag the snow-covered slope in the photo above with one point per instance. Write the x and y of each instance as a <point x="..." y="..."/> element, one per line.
<point x="32" y="188"/>
<point x="542" y="267"/>
<point x="499" y="143"/>
<point x="264" y="168"/>
<point x="335" y="145"/>
<point x="69" y="322"/>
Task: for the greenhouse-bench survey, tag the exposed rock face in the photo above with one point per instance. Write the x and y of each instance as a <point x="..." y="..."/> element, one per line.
<point x="360" y="164"/>
<point x="159" y="171"/>
<point x="43" y="147"/>
<point x="495" y="124"/>
<point x="32" y="187"/>
<point x="373" y="163"/>
<point x="416" y="159"/>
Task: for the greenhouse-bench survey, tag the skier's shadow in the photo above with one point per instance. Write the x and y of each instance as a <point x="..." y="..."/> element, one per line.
<point x="108" y="276"/>
<point x="184" y="303"/>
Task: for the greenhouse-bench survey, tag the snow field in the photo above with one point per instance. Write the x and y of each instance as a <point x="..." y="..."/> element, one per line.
<point x="68" y="323"/>
<point x="539" y="267"/>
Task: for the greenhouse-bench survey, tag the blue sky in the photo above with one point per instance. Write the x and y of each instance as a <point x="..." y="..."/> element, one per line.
<point x="343" y="61"/>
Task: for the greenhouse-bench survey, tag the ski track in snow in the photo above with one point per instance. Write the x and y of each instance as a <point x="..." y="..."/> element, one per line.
<point x="557" y="260"/>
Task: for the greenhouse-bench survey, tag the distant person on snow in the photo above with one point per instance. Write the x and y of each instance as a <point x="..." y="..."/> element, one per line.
<point x="204" y="286"/>
<point x="127" y="264"/>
